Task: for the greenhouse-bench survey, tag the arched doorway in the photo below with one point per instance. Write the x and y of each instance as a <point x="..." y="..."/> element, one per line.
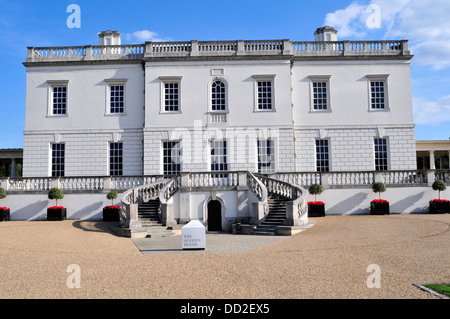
<point x="214" y="216"/>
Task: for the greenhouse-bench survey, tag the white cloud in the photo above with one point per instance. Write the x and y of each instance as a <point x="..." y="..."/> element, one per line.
<point x="145" y="35"/>
<point x="425" y="23"/>
<point x="431" y="113"/>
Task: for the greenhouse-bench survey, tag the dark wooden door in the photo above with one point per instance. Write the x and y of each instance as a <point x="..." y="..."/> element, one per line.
<point x="214" y="216"/>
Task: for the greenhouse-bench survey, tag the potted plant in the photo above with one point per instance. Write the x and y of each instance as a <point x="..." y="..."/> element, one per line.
<point x="379" y="206"/>
<point x="111" y="213"/>
<point x="4" y="211"/>
<point x="56" y="212"/>
<point x="439" y="206"/>
<point x="316" y="208"/>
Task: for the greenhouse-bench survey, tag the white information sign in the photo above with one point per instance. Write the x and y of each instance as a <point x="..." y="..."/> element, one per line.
<point x="193" y="235"/>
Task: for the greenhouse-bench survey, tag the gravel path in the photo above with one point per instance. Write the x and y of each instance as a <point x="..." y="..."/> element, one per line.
<point x="329" y="260"/>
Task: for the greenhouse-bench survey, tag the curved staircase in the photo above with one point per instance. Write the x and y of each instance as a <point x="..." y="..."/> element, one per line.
<point x="149" y="216"/>
<point x="275" y="217"/>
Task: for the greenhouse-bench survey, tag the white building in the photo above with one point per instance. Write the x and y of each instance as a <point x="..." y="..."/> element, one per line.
<point x="260" y="106"/>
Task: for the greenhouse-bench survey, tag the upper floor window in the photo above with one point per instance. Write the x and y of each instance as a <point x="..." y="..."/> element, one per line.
<point x="218" y="97"/>
<point x="116" y="96"/>
<point x="320" y="92"/>
<point x="264" y="92"/>
<point x="378" y="92"/>
<point x="58" y="97"/>
<point x="171" y="93"/>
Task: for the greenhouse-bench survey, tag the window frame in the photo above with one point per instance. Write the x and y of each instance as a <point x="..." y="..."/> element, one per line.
<point x="320" y="79"/>
<point x="378" y="78"/>
<point x="168" y="80"/>
<point x="224" y="155"/>
<point x="50" y="107"/>
<point x="115" y="82"/>
<point x="210" y="96"/>
<point x="264" y="78"/>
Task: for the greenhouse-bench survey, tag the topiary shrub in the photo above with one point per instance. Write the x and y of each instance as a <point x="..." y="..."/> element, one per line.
<point x="55" y="193"/>
<point x="2" y="193"/>
<point x="315" y="189"/>
<point x="439" y="186"/>
<point x="379" y="188"/>
<point x="112" y="195"/>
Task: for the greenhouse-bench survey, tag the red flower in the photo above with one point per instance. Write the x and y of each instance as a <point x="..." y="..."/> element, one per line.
<point x="4" y="208"/>
<point x="112" y="207"/>
<point x="440" y="200"/>
<point x="56" y="207"/>
<point x="316" y="203"/>
<point x="380" y="201"/>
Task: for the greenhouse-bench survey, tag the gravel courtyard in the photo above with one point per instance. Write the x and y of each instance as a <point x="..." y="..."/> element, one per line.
<point x="328" y="260"/>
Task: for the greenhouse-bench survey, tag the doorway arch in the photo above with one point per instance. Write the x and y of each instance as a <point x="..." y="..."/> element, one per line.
<point x="214" y="214"/>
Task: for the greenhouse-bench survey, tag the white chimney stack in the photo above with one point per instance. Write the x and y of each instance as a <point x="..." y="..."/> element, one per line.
<point x="326" y="34"/>
<point x="109" y="37"/>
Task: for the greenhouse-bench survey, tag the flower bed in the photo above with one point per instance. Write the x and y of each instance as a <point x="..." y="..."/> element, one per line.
<point x="379" y="207"/>
<point x="4" y="214"/>
<point x="111" y="213"/>
<point x="439" y="206"/>
<point x="316" y="209"/>
<point x="56" y="213"/>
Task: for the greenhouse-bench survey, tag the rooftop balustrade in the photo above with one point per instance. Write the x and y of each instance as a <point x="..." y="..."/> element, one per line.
<point x="194" y="48"/>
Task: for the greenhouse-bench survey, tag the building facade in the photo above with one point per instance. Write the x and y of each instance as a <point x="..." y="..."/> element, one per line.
<point x="258" y="106"/>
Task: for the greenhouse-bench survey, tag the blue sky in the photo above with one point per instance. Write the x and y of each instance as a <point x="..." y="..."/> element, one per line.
<point x="425" y="23"/>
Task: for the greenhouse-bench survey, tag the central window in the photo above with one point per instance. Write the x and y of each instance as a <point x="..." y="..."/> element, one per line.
<point x="219" y="156"/>
<point x="218" y="99"/>
<point x="116" y="99"/>
<point x="381" y="154"/>
<point x="377" y="95"/>
<point x="320" y="95"/>
<point x="116" y="159"/>
<point x="264" y="95"/>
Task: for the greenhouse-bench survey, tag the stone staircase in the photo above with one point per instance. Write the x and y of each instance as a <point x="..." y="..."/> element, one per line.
<point x="275" y="217"/>
<point x="148" y="214"/>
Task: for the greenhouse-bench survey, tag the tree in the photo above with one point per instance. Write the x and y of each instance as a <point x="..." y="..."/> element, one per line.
<point x="55" y="193"/>
<point x="112" y="195"/>
<point x="439" y="186"/>
<point x="379" y="188"/>
<point x="315" y="189"/>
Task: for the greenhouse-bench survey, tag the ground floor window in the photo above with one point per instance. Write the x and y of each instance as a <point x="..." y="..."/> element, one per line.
<point x="116" y="159"/>
<point x="219" y="156"/>
<point x="58" y="158"/>
<point x="266" y="156"/>
<point x="322" y="156"/>
<point x="171" y="157"/>
<point x="381" y="154"/>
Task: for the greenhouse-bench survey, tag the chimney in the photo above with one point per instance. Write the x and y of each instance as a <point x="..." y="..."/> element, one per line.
<point x="109" y="37"/>
<point x="326" y="34"/>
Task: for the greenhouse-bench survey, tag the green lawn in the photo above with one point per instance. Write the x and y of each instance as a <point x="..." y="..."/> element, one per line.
<point x="443" y="289"/>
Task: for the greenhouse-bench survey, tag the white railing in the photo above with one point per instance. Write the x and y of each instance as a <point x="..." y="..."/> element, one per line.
<point x="213" y="179"/>
<point x="404" y="177"/>
<point x="29" y="184"/>
<point x="217" y="48"/>
<point x="81" y="183"/>
<point x="443" y="175"/>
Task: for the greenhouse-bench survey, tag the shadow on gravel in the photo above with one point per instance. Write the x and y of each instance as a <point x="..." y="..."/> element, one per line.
<point x="95" y="226"/>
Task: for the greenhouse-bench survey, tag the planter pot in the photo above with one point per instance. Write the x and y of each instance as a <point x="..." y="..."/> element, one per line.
<point x="439" y="207"/>
<point x="4" y="215"/>
<point x="56" y="213"/>
<point x="316" y="210"/>
<point x="379" y="208"/>
<point x="111" y="214"/>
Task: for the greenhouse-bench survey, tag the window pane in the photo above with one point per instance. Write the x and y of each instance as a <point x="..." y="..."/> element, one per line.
<point x="322" y="156"/>
<point x="115" y="159"/>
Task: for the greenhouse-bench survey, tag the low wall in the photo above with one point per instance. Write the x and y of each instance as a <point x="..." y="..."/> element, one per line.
<point x="80" y="206"/>
<point x="407" y="199"/>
